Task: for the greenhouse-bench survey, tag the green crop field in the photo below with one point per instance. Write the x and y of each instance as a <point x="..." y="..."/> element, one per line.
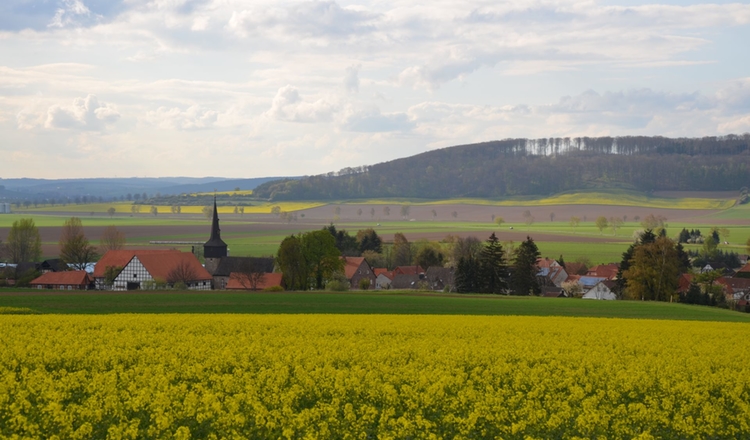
<point x="601" y="197"/>
<point x="352" y="303"/>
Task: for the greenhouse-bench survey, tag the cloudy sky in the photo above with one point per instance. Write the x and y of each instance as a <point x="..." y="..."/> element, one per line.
<point x="98" y="88"/>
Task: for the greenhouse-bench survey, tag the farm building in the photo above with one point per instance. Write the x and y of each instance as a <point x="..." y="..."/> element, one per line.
<point x="383" y="278"/>
<point x="602" y="290"/>
<point x="357" y="269"/>
<point x="441" y="278"/>
<point x="69" y="280"/>
<point x="117" y="260"/>
<point x="144" y="270"/>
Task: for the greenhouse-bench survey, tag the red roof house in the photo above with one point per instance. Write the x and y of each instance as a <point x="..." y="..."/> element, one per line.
<point x="145" y="269"/>
<point x="68" y="280"/>
<point x="357" y="269"/>
<point x="608" y="271"/>
<point x="408" y="270"/>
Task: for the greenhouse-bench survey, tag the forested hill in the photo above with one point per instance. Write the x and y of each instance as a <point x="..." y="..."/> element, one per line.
<point x="514" y="167"/>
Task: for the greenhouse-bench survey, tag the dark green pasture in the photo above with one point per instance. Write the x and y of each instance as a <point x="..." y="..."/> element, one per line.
<point x="351" y="303"/>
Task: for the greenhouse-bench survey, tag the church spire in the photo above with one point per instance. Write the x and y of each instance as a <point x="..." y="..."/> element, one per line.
<point x="215" y="246"/>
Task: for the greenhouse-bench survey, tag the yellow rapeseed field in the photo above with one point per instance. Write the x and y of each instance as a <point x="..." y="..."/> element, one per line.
<point x="374" y="376"/>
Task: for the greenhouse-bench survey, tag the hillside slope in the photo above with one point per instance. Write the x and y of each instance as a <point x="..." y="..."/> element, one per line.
<point x="517" y="167"/>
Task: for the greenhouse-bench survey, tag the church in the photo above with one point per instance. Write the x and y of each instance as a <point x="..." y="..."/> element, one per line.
<point x="220" y="265"/>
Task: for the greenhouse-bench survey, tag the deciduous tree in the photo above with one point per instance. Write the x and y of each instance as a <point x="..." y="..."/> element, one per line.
<point x="601" y="223"/>
<point x="24" y="242"/>
<point x="291" y="262"/>
<point x="369" y="240"/>
<point x="653" y="272"/>
<point x="75" y="249"/>
<point x="112" y="239"/>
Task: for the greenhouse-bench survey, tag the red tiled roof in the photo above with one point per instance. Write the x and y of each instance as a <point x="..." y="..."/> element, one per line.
<point x="351" y="264"/>
<point x="545" y="262"/>
<point x="604" y="271"/>
<point x="735" y="283"/>
<point x="382" y="270"/>
<point x="121" y="258"/>
<point x="683" y="283"/>
<point x="573" y="278"/>
<point x="268" y="280"/>
<point x="69" y="278"/>
<point x="408" y="270"/>
<point x="160" y="265"/>
<point x="745" y="268"/>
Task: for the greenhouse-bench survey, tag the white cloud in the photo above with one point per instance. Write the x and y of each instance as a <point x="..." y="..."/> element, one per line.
<point x="289" y="106"/>
<point x="84" y="114"/>
<point x="351" y="79"/>
<point x="70" y="11"/>
<point x="371" y="120"/>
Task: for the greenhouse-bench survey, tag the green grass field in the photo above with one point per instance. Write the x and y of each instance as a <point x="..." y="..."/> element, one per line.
<point x="353" y="303"/>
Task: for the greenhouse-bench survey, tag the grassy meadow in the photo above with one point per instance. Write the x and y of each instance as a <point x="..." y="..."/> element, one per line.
<point x="383" y="302"/>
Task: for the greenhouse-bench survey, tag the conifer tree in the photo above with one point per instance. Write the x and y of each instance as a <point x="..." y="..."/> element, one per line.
<point x="523" y="280"/>
<point x="493" y="273"/>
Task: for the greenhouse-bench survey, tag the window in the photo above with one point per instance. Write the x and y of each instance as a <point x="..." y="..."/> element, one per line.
<point x="135" y="275"/>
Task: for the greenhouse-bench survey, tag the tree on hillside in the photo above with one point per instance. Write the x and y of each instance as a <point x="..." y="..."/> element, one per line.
<point x="405" y="211"/>
<point x="75" y="249"/>
<point x="154" y="211"/>
<point x="24" y="243"/>
<point x="493" y="273"/>
<point x="111" y="211"/>
<point x="615" y="223"/>
<point x="601" y="223"/>
<point x="523" y="279"/>
<point x="434" y="214"/>
<point x="551" y="216"/>
<point x="654" y="222"/>
<point x="112" y="239"/>
<point x="574" y="222"/>
<point x="645" y="237"/>
<point x="387" y="210"/>
<point x="499" y="221"/>
<point x="528" y="219"/>
<point x="372" y="212"/>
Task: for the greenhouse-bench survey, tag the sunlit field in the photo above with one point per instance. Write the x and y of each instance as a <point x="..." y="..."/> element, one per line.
<point x="377" y="376"/>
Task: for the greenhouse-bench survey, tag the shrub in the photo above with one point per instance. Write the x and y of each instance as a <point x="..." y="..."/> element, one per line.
<point x="273" y="289"/>
<point x="364" y="284"/>
<point x="337" y="286"/>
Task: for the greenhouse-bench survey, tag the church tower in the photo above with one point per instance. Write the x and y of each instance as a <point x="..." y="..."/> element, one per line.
<point x="215" y="248"/>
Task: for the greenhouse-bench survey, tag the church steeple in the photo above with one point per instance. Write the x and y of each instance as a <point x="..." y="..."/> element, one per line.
<point x="215" y="246"/>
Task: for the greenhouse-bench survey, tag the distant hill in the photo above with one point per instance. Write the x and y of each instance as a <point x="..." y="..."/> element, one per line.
<point x="110" y="188"/>
<point x="517" y="167"/>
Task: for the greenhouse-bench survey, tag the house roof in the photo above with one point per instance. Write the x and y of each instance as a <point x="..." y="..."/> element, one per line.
<point x="745" y="268"/>
<point x="439" y="273"/>
<point x="552" y="292"/>
<point x="54" y="264"/>
<point x="590" y="281"/>
<point x="121" y="258"/>
<point x="683" y="282"/>
<point x="268" y="280"/>
<point x="71" y="278"/>
<point x="159" y="266"/>
<point x="227" y="265"/>
<point x="351" y="265"/>
<point x="382" y="270"/>
<point x="402" y="281"/>
<point x="735" y="283"/>
<point x="604" y="270"/>
<point x="408" y="270"/>
<point x="542" y="263"/>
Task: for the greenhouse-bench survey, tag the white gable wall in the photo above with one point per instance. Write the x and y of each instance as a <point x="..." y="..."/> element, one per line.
<point x="600" y="291"/>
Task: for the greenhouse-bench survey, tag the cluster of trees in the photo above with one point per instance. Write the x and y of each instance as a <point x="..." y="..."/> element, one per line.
<point x="650" y="268"/>
<point x="24" y="243"/>
<point x="489" y="270"/>
<point x="536" y="167"/>
<point x="309" y="260"/>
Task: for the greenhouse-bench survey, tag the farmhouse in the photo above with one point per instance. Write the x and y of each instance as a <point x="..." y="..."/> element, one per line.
<point x="115" y="261"/>
<point x="383" y="278"/>
<point x="357" y="269"/>
<point x="145" y="270"/>
<point x="69" y="280"/>
<point x="602" y="290"/>
<point x="441" y="278"/>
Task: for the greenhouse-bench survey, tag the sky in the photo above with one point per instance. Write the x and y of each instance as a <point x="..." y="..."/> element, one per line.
<point x="229" y="88"/>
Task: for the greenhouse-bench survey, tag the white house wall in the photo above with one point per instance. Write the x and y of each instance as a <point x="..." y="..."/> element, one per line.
<point x="136" y="272"/>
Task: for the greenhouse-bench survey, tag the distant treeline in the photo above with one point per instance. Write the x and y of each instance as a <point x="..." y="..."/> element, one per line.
<point x="516" y="167"/>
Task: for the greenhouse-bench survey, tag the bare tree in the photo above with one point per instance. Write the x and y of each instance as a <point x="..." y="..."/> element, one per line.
<point x="182" y="273"/>
<point x="75" y="249"/>
<point x="405" y="211"/>
<point x="208" y="211"/>
<point x="112" y="239"/>
<point x="250" y="274"/>
<point x="615" y="223"/>
<point x="527" y="218"/>
<point x="111" y="211"/>
<point x="551" y="216"/>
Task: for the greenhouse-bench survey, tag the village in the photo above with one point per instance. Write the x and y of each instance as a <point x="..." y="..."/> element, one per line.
<point x="149" y="269"/>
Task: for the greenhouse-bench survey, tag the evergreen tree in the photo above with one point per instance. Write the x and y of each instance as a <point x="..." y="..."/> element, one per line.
<point x="523" y="280"/>
<point x="684" y="236"/>
<point x="493" y="273"/>
<point x="467" y="273"/>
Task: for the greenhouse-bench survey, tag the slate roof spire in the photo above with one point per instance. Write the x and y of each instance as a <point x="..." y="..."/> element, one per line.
<point x="215" y="246"/>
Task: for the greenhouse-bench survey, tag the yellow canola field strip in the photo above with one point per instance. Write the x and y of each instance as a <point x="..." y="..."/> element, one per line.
<point x="586" y="198"/>
<point x="374" y="376"/>
<point x="126" y="208"/>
